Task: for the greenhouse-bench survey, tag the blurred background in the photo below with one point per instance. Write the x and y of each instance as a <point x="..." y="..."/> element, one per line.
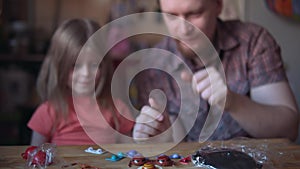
<point x="26" y="27"/>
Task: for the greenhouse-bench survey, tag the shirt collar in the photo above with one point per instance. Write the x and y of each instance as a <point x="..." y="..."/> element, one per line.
<point x="224" y="39"/>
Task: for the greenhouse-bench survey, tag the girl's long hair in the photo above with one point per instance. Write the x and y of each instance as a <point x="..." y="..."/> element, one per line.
<point x="66" y="44"/>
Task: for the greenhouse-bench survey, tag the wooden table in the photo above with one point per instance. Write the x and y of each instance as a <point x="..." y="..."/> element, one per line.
<point x="280" y="153"/>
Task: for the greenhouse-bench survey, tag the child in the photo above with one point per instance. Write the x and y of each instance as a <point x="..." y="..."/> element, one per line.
<point x="78" y="108"/>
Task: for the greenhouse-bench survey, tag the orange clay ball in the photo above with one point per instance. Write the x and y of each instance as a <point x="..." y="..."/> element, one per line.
<point x="149" y="166"/>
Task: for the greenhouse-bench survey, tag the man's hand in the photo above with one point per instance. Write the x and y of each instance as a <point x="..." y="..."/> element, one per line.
<point x="210" y="85"/>
<point x="152" y="121"/>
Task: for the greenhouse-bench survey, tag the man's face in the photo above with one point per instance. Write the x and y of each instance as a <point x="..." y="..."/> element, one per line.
<point x="202" y="14"/>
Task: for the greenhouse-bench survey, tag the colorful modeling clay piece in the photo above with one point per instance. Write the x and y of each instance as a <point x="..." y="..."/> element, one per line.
<point x="175" y="156"/>
<point x="185" y="160"/>
<point x="137" y="161"/>
<point x="149" y="166"/>
<point x="115" y="158"/>
<point x="133" y="153"/>
<point x="39" y="156"/>
<point x="28" y="151"/>
<point x="121" y="155"/>
<point x="91" y="150"/>
<point x="164" y="160"/>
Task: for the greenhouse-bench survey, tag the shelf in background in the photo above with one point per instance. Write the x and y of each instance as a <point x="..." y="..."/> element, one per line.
<point x="22" y="57"/>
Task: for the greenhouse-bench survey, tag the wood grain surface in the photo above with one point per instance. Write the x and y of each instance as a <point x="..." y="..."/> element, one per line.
<point x="279" y="153"/>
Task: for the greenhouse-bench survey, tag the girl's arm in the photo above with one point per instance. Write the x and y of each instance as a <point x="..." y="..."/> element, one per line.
<point x="37" y="139"/>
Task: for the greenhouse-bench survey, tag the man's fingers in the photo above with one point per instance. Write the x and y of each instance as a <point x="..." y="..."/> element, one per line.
<point x="200" y="75"/>
<point x="146" y="129"/>
<point x="140" y="136"/>
<point x="202" y="86"/>
<point x="148" y="114"/>
<point x="186" y="76"/>
<point x="156" y="106"/>
<point x="195" y="79"/>
<point x="153" y="104"/>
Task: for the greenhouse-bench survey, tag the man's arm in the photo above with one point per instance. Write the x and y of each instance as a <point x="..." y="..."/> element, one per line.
<point x="271" y="111"/>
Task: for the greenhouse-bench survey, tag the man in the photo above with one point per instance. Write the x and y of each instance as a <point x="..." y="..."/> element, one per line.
<point x="259" y="102"/>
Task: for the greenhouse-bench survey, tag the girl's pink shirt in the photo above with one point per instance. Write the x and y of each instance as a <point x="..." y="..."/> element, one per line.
<point x="85" y="126"/>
